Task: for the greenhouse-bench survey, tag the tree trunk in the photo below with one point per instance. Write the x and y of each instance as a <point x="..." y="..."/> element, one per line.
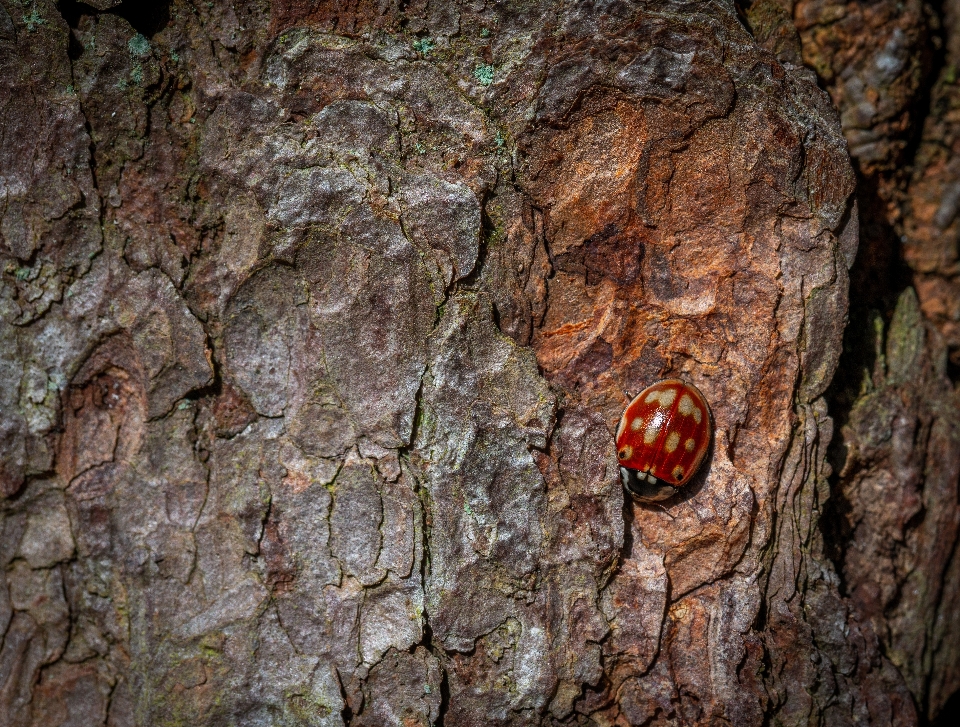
<point x="317" y="319"/>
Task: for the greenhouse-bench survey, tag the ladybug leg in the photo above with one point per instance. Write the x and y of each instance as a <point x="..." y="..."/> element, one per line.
<point x="644" y="487"/>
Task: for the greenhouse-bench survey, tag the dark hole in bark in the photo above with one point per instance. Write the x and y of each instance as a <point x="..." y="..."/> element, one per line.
<point x="72" y="11"/>
<point x="346" y="714"/>
<point x="953" y="371"/>
<point x="147" y="18"/>
<point x="950" y="714"/>
<point x="879" y="273"/>
<point x="857" y="360"/>
<point x="741" y="6"/>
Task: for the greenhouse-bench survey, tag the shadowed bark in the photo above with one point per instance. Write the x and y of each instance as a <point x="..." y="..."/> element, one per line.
<point x="317" y="319"/>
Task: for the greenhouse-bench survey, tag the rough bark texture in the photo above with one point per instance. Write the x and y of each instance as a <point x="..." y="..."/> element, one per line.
<point x="317" y="318"/>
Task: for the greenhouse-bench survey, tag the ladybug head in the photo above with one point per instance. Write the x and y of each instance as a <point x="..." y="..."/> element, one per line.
<point x="644" y="487"/>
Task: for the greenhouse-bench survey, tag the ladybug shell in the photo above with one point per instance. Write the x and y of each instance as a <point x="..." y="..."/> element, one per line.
<point x="665" y="432"/>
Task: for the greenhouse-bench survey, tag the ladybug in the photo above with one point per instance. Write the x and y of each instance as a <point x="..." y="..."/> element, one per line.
<point x="662" y="438"/>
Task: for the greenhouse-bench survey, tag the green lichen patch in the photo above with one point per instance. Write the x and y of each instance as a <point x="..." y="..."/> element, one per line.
<point x="139" y="46"/>
<point x="484" y="74"/>
<point x="424" y="45"/>
<point x="33" y="20"/>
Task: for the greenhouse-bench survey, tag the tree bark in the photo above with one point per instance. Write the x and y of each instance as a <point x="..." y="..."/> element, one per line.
<point x="317" y="319"/>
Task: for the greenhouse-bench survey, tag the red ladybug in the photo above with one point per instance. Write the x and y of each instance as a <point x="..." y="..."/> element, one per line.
<point x="662" y="438"/>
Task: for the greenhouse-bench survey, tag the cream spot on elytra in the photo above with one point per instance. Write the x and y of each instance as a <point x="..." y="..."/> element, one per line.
<point x="637" y="424"/>
<point x="626" y="452"/>
<point x="673" y="440"/>
<point x="664" y="396"/>
<point x="653" y="428"/>
<point x="677" y="471"/>
<point x="687" y="408"/>
<point x="667" y="396"/>
<point x="689" y="445"/>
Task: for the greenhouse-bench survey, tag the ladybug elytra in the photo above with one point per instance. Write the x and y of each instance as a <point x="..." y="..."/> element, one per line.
<point x="662" y="438"/>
